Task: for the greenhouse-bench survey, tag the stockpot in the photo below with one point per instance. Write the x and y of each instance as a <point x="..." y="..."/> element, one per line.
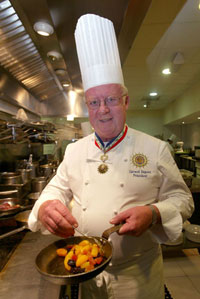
<point x="11" y="178"/>
<point x="38" y="184"/>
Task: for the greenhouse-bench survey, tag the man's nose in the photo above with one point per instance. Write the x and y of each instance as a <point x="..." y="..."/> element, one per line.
<point x="103" y="106"/>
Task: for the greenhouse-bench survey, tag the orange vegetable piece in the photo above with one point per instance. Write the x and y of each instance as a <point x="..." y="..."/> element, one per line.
<point x="77" y="249"/>
<point x="95" y="250"/>
<point x="74" y="257"/>
<point x="67" y="258"/>
<point x="85" y="249"/>
<point x="82" y="258"/>
<point x="98" y="260"/>
<point x="91" y="260"/>
<point x="87" y="266"/>
<point x="84" y="242"/>
<point x="61" y="251"/>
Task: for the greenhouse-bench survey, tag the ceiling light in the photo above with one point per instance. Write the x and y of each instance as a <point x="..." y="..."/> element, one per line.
<point x="183" y="122"/>
<point x="65" y="84"/>
<point x="61" y="72"/>
<point x="166" y="71"/>
<point x="198" y="117"/>
<point x="44" y="29"/>
<point x="153" y="94"/>
<point x="146" y="105"/>
<point x="54" y="55"/>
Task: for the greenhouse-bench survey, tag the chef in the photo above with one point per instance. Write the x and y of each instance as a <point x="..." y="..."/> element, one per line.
<point x="114" y="175"/>
<point x="170" y="141"/>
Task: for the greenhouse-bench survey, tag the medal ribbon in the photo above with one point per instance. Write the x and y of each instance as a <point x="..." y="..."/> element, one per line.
<point x="113" y="143"/>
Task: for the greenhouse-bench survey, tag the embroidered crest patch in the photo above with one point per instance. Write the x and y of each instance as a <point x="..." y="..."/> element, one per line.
<point x="139" y="160"/>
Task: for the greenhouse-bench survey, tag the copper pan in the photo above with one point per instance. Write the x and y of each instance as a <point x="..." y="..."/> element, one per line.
<point x="51" y="266"/>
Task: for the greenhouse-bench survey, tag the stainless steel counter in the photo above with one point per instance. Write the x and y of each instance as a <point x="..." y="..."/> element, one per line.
<point x="20" y="279"/>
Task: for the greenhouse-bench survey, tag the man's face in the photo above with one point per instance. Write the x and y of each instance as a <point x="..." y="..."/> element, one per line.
<point x="107" y="121"/>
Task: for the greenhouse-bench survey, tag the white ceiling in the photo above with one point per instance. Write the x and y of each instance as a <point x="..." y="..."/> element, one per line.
<point x="168" y="28"/>
<point x="150" y="34"/>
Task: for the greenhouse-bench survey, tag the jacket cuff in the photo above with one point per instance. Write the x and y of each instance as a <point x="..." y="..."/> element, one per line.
<point x="171" y="223"/>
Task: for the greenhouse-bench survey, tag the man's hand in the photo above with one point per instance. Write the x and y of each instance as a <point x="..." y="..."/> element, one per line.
<point x="137" y="220"/>
<point x="57" y="218"/>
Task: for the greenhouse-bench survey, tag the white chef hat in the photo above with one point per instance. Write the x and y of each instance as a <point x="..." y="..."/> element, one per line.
<point x="172" y="137"/>
<point x="97" y="51"/>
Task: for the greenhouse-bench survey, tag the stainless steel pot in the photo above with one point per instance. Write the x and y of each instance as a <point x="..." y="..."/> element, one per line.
<point x="26" y="174"/>
<point x="38" y="184"/>
<point x="11" y="178"/>
<point x="34" y="166"/>
<point x="46" y="169"/>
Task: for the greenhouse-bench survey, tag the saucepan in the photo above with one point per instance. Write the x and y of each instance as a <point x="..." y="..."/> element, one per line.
<point x="51" y="266"/>
<point x="22" y="219"/>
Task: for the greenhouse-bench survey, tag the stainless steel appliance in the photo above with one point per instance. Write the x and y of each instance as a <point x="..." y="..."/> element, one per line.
<point x="197" y="152"/>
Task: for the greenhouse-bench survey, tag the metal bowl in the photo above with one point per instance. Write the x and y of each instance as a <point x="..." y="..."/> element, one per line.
<point x="192" y="232"/>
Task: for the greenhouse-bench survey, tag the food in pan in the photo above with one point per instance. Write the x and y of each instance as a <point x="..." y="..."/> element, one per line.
<point x="81" y="257"/>
<point x="6" y="206"/>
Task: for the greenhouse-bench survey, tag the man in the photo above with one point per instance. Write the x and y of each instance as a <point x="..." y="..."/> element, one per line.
<point x="115" y="175"/>
<point x="170" y="141"/>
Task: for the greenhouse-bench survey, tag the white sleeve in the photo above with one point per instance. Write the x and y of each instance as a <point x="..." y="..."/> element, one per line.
<point x="174" y="202"/>
<point x="57" y="188"/>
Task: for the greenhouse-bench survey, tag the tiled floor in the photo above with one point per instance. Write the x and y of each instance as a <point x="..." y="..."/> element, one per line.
<point x="182" y="274"/>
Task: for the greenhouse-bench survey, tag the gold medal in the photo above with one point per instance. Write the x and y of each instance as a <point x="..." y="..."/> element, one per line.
<point x="104" y="157"/>
<point x="103" y="168"/>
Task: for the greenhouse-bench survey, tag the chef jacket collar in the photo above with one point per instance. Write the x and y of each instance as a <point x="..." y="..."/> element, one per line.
<point x="105" y="144"/>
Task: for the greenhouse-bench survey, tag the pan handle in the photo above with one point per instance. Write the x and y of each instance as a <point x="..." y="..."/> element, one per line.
<point x="8" y="192"/>
<point x="111" y="230"/>
<point x="15" y="231"/>
<point x="24" y="208"/>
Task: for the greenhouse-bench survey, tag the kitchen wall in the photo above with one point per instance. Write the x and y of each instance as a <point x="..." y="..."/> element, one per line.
<point x="152" y="123"/>
<point x="148" y="121"/>
<point x="183" y="107"/>
<point x="191" y="135"/>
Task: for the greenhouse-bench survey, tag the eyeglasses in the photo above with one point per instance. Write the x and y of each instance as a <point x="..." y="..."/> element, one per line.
<point x="109" y="102"/>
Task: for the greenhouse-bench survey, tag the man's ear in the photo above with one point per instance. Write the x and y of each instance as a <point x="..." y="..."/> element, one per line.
<point x="127" y="99"/>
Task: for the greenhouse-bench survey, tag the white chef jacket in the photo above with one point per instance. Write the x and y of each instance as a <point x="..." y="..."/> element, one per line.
<point x="141" y="171"/>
